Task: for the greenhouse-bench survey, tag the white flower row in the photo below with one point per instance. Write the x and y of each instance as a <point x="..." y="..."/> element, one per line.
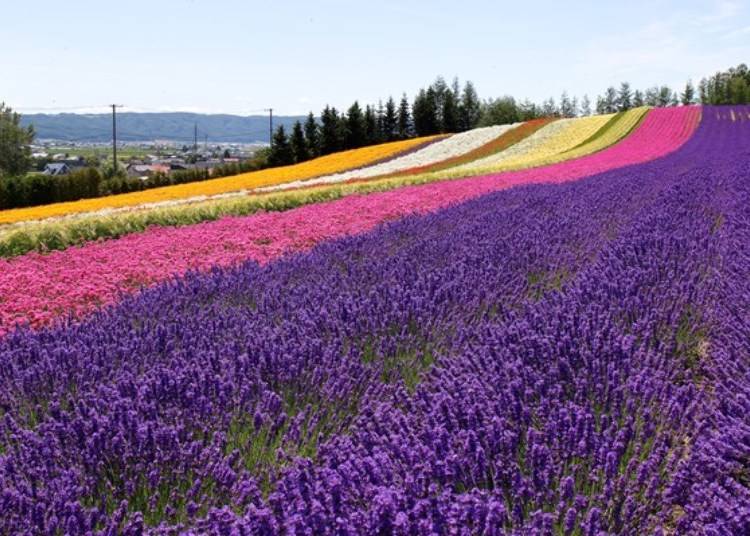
<point x="451" y="147"/>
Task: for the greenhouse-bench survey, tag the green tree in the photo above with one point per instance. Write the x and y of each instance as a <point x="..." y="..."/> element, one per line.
<point x="549" y="108"/>
<point x="470" y="108"/>
<point x="567" y="108"/>
<point x="500" y="111"/>
<point x="371" y="125"/>
<point x="738" y="90"/>
<point x="703" y="91"/>
<point x="585" y="106"/>
<point x="15" y="141"/>
<point x="610" y="100"/>
<point x="688" y="94"/>
<point x="330" y="131"/>
<point x="390" y="120"/>
<point x="312" y="135"/>
<point x="665" y="98"/>
<point x="356" y="131"/>
<point x="527" y="110"/>
<point x="624" y="97"/>
<point x="638" y="98"/>
<point x="404" y="118"/>
<point x="652" y="96"/>
<point x="424" y="112"/>
<point x="281" y="150"/>
<point x="450" y="118"/>
<point x="299" y="143"/>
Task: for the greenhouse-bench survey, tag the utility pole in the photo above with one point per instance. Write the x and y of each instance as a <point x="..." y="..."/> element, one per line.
<point x="195" y="140"/>
<point x="114" y="136"/>
<point x="270" y="126"/>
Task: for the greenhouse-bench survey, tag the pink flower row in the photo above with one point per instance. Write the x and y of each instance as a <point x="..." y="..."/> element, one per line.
<point x="37" y="289"/>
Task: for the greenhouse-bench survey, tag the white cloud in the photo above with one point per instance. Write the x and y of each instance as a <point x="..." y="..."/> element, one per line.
<point x="681" y="45"/>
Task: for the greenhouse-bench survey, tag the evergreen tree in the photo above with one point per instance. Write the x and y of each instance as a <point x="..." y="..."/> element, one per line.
<point x="356" y="129"/>
<point x="703" y="91"/>
<point x="456" y="89"/>
<point x="638" y="98"/>
<point x="469" y="108"/>
<point x="665" y="97"/>
<point x="380" y="122"/>
<point x="566" y="105"/>
<point x="15" y="141"/>
<point x="624" y="97"/>
<point x="424" y="113"/>
<point x="439" y="90"/>
<point x="390" y="120"/>
<point x="404" y="118"/>
<point x="371" y="125"/>
<point x="601" y="105"/>
<point x="312" y="136"/>
<point x="585" y="106"/>
<point x="527" y="111"/>
<point x="342" y="131"/>
<point x="299" y="143"/>
<point x="281" y="150"/>
<point x="329" y="131"/>
<point x="549" y="108"/>
<point x="610" y="100"/>
<point x="652" y="96"/>
<point x="450" y="118"/>
<point x="688" y="94"/>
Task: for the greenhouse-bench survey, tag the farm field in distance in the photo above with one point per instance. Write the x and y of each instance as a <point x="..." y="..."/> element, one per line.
<point x="555" y="342"/>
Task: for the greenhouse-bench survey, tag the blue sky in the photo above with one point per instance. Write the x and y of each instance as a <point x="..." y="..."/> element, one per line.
<point x="241" y="56"/>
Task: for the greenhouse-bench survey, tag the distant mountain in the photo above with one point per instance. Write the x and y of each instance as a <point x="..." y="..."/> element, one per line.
<point x="176" y="126"/>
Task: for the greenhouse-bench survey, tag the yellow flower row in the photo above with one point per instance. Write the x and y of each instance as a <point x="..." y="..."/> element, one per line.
<point x="324" y="165"/>
<point x="619" y="127"/>
<point x="539" y="148"/>
<point x="561" y="140"/>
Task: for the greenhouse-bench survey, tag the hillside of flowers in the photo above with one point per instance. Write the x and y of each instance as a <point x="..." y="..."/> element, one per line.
<point x="552" y="338"/>
<point x="435" y="159"/>
<point x="40" y="288"/>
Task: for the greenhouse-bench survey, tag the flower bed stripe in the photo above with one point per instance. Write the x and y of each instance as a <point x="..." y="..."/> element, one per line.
<point x="42" y="288"/>
<point x="354" y="158"/>
<point x="541" y="360"/>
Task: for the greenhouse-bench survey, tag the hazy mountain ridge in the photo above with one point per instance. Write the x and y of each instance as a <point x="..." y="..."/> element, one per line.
<point x="136" y="126"/>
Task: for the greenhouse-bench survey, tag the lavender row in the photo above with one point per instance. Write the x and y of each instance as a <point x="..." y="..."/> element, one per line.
<point x="541" y="360"/>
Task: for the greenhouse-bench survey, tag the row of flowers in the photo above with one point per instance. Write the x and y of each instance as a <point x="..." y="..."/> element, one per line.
<point x="39" y="289"/>
<point x="554" y="139"/>
<point x="440" y="151"/>
<point x="333" y="163"/>
<point x="77" y="228"/>
<point x="542" y="360"/>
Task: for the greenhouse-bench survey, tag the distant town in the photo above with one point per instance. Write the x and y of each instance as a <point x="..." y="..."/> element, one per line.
<point x="138" y="159"/>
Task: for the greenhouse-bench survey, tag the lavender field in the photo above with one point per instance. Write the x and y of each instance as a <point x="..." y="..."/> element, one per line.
<point x="564" y="359"/>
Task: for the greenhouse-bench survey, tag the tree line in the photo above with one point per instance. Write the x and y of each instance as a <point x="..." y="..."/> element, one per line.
<point x="439" y="108"/>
